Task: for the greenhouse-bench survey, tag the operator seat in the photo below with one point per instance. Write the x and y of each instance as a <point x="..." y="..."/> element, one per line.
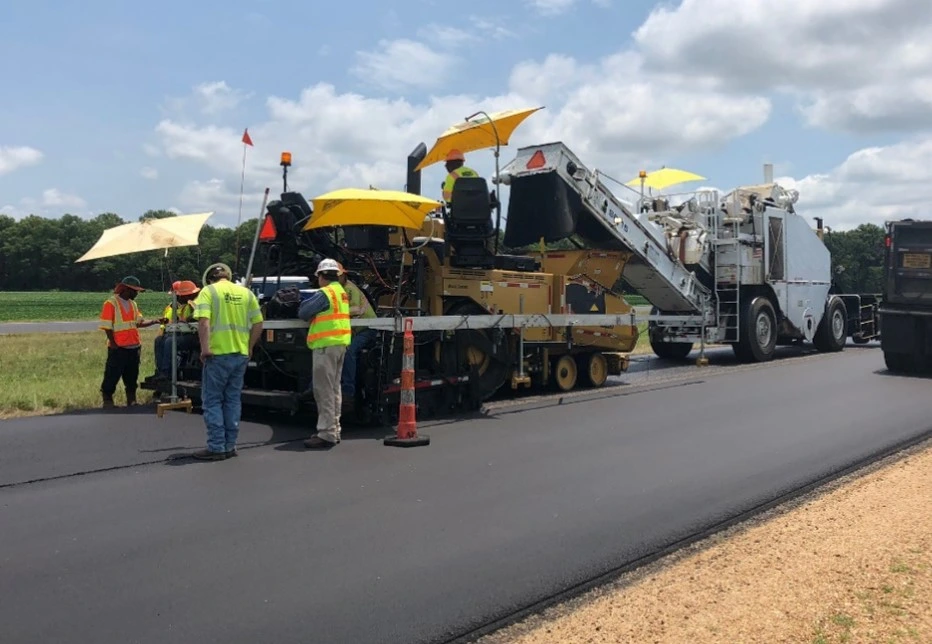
<point x="469" y="229"/>
<point x="468" y="224"/>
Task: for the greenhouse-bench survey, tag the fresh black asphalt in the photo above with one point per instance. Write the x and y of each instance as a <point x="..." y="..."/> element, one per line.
<point x="367" y="543"/>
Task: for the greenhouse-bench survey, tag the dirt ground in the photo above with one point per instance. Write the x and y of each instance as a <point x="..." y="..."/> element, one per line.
<point x="849" y="563"/>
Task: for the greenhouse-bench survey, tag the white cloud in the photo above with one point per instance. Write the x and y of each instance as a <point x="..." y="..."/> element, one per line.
<point x="853" y="66"/>
<point x="448" y="37"/>
<point x="52" y="202"/>
<point x="149" y="173"/>
<point x="551" y="7"/>
<point x="210" y="98"/>
<point x="557" y="7"/>
<point x="13" y="158"/>
<point x="872" y="185"/>
<point x="403" y="63"/>
<point x="55" y="198"/>
<point x="218" y="97"/>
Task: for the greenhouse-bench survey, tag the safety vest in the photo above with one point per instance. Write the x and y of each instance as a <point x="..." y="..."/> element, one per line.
<point x="123" y="324"/>
<point x="232" y="310"/>
<point x="331" y="328"/>
<point x="358" y="300"/>
<point x="461" y="171"/>
<point x="184" y="314"/>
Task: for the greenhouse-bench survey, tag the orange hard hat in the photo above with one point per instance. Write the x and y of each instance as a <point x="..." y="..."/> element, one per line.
<point x="455" y="155"/>
<point x="185" y="287"/>
<point x="175" y="286"/>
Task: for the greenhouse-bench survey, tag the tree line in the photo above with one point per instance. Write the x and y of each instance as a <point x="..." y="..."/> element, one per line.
<point x="38" y="254"/>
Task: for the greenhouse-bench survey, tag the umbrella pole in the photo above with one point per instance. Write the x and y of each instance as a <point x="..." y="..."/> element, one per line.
<point x="498" y="201"/>
<point x="255" y="241"/>
<point x="173" y="320"/>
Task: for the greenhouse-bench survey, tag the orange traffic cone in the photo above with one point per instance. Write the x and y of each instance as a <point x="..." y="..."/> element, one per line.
<point x="406" y="433"/>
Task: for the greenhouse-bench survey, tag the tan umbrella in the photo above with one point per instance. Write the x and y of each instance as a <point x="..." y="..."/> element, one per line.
<point x="151" y="234"/>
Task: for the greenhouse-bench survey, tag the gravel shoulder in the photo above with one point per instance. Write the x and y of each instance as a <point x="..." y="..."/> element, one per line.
<point x="851" y="562"/>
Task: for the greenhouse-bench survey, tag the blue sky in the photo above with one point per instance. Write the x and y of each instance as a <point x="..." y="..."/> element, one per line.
<point x="124" y="107"/>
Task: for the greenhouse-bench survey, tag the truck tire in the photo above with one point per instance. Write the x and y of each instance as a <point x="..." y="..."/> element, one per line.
<point x="832" y="332"/>
<point x="757" y="337"/>
<point x="666" y="350"/>
<point x="564" y="373"/>
<point x="899" y="362"/>
<point x="593" y="367"/>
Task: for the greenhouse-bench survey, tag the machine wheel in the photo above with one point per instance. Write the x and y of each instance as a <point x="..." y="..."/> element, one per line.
<point x="832" y="332"/>
<point x="899" y="362"/>
<point x="666" y="350"/>
<point x="484" y="351"/>
<point x="565" y="373"/>
<point x="594" y="368"/>
<point x="757" y="336"/>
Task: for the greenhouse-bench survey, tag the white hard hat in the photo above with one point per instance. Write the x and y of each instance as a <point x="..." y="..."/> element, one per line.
<point x="329" y="265"/>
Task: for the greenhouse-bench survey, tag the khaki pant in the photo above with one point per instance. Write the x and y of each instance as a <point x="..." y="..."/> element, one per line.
<point x="328" y="366"/>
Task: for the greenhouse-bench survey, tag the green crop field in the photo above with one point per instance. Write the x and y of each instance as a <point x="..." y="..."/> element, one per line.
<point x="44" y="306"/>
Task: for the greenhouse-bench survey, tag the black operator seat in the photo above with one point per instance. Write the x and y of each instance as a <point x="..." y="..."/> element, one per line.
<point x="470" y="229"/>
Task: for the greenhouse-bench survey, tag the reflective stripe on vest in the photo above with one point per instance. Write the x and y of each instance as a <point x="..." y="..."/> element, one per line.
<point x="461" y="171"/>
<point x="230" y="321"/>
<point x="125" y="331"/>
<point x="331" y="328"/>
<point x="184" y="314"/>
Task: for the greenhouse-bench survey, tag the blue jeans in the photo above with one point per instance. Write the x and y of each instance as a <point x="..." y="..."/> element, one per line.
<point x="163" y="351"/>
<point x="221" y="391"/>
<point x="361" y="339"/>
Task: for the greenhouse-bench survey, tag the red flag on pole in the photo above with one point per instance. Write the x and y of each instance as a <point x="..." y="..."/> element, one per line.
<point x="246" y="139"/>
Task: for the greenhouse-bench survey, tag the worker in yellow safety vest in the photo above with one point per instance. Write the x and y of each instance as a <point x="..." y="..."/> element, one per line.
<point x="360" y="308"/>
<point x="229" y="325"/>
<point x="185" y="292"/>
<point x="329" y="334"/>
<point x="456" y="168"/>
<point x="121" y="320"/>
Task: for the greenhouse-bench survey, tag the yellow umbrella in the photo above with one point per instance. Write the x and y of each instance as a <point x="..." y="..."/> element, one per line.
<point x="151" y="234"/>
<point x="663" y="178"/>
<point x="477" y="132"/>
<point x="360" y="207"/>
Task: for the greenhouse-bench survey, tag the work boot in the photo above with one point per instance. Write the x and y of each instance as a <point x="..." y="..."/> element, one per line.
<point x="207" y="455"/>
<point x="108" y="401"/>
<point x="130" y="398"/>
<point x="316" y="442"/>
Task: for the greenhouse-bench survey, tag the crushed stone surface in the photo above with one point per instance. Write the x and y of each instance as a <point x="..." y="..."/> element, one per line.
<point x="851" y="562"/>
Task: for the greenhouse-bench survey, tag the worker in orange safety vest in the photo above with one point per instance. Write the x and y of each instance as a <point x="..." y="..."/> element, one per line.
<point x="121" y="320"/>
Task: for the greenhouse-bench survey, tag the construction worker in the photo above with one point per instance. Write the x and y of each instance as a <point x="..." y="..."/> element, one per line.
<point x="121" y="320"/>
<point x="456" y="168"/>
<point x="229" y="323"/>
<point x="185" y="292"/>
<point x="328" y="336"/>
<point x="362" y="338"/>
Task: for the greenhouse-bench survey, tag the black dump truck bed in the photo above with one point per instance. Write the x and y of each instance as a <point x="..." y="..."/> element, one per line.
<point x="906" y="308"/>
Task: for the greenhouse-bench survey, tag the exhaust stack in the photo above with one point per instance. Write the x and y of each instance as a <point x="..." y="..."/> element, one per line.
<point x="413" y="180"/>
<point x="768" y="173"/>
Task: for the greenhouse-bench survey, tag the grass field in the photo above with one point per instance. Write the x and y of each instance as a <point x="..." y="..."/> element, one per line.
<point x="46" y="373"/>
<point x="68" y="306"/>
<point x="43" y="373"/>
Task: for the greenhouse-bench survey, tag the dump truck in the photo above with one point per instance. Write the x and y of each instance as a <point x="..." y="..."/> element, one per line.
<point x="906" y="300"/>
<point x="742" y="269"/>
